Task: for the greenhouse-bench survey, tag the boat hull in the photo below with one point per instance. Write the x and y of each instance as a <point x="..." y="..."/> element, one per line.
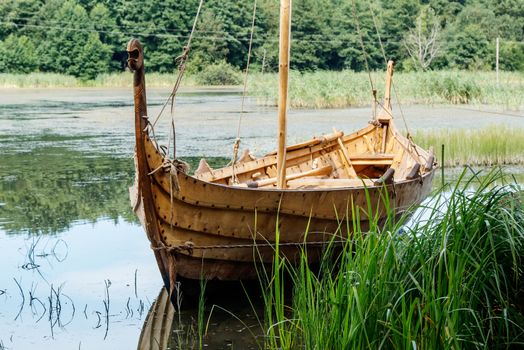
<point x="215" y="231"/>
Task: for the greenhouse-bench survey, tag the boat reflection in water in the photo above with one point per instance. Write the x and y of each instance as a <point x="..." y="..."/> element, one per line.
<point x="156" y="331"/>
<point x="232" y="317"/>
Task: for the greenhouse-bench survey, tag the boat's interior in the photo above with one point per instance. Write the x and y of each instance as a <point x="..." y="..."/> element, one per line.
<point x="368" y="157"/>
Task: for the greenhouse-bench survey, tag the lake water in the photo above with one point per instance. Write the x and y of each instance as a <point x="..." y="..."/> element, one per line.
<point x="76" y="268"/>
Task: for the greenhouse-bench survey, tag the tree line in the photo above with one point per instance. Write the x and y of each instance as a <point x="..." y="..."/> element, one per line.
<point x="87" y="37"/>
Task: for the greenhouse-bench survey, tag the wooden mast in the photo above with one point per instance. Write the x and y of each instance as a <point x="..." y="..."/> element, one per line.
<point x="283" y="74"/>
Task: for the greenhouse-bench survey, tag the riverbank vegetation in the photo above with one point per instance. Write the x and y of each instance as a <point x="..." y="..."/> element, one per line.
<point x="494" y="145"/>
<point x="452" y="279"/>
<point x="321" y="89"/>
<point x="344" y="89"/>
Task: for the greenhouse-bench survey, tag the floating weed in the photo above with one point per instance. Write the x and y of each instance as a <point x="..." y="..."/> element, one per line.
<point x="107" y="301"/>
<point x="58" y="309"/>
<point x="34" y="302"/>
<point x="23" y="298"/>
<point x="56" y="302"/>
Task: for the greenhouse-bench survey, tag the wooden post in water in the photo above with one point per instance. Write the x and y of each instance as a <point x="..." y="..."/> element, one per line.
<point x="283" y="74"/>
<point x="497" y="59"/>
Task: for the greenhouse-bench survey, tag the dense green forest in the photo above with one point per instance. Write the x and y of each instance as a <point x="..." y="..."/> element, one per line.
<point x="87" y="37"/>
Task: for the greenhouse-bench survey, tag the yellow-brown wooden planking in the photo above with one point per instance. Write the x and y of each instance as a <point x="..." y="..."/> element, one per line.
<point x="221" y="223"/>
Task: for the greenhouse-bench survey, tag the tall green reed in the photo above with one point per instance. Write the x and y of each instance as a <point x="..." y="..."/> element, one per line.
<point x="492" y="145"/>
<point x="325" y="89"/>
<point x="452" y="279"/>
<point x="328" y="89"/>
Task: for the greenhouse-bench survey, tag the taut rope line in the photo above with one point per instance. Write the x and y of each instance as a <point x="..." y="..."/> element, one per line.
<point x="408" y="135"/>
<point x="364" y="54"/>
<point x="236" y="146"/>
<point x="181" y="62"/>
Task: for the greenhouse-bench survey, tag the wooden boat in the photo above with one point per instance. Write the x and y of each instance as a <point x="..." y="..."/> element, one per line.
<point x="218" y="223"/>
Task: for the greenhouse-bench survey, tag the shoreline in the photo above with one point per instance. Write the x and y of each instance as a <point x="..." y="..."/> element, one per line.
<point x="317" y="89"/>
<point x="494" y="109"/>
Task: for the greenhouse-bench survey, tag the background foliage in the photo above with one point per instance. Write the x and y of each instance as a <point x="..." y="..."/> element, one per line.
<point x="85" y="38"/>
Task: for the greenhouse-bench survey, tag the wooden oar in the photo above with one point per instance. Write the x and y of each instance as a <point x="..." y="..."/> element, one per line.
<point x="325" y="170"/>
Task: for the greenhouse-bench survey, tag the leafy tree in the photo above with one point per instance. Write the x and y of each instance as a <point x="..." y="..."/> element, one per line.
<point x="93" y="59"/>
<point x="468" y="49"/>
<point x="162" y="25"/>
<point x="324" y="33"/>
<point x="17" y="55"/>
<point x="266" y="32"/>
<point x="211" y="44"/>
<point x="16" y="14"/>
<point x="446" y="10"/>
<point x="103" y="22"/>
<point x="349" y="47"/>
<point x="511" y="56"/>
<point x="398" y="17"/>
<point x="64" y="47"/>
<point x="309" y="47"/>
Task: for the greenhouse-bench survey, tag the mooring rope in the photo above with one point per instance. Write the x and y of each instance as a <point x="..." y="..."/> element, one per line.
<point x="190" y="246"/>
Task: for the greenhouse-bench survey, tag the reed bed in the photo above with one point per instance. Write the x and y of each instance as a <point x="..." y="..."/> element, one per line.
<point x="156" y="80"/>
<point x="37" y="80"/>
<point x="326" y="89"/>
<point x="109" y="80"/>
<point x="452" y="280"/>
<point x="494" y="145"/>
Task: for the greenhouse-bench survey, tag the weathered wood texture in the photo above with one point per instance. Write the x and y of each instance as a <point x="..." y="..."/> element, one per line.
<point x="213" y="226"/>
<point x="203" y="213"/>
<point x="283" y="75"/>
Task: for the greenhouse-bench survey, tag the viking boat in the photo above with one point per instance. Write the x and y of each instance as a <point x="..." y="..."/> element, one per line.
<point x="220" y="223"/>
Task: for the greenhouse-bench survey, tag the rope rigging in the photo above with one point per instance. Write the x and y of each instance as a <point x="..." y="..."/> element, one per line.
<point x="383" y="51"/>
<point x="236" y="146"/>
<point x="364" y="53"/>
<point x="408" y="135"/>
<point x="180" y="61"/>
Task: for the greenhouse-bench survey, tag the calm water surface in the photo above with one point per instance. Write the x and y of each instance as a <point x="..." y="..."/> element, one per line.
<point x="77" y="271"/>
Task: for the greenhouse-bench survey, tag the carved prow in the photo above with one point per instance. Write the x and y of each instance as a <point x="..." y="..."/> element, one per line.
<point x="164" y="260"/>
